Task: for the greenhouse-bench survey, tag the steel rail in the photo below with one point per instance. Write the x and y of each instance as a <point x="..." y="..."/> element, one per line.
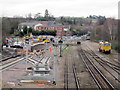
<point x="115" y="67"/>
<point x="100" y="74"/>
<point x="66" y="75"/>
<point x="76" y="78"/>
<point x="91" y="73"/>
<point x="101" y="58"/>
<point x="7" y="58"/>
<point x="9" y="65"/>
<point x="47" y="60"/>
<point x="101" y="62"/>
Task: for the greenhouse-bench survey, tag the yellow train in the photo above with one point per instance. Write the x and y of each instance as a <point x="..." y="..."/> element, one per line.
<point x="105" y="47"/>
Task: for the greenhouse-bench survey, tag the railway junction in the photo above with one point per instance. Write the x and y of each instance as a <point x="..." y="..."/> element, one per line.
<point x="75" y="64"/>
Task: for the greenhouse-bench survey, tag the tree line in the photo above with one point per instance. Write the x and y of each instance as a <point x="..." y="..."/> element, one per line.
<point x="101" y="28"/>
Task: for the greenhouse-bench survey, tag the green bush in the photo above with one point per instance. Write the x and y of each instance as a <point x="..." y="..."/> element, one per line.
<point x="21" y="34"/>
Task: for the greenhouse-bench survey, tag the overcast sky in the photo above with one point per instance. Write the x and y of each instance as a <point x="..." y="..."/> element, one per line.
<point x="76" y="8"/>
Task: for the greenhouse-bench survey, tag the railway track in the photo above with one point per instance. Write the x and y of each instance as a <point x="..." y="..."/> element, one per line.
<point x="110" y="67"/>
<point x="47" y="60"/>
<point x="43" y="60"/>
<point x="115" y="63"/>
<point x="9" y="61"/>
<point x="108" y="63"/>
<point x="70" y="72"/>
<point x="66" y="75"/>
<point x="10" y="64"/>
<point x="76" y="78"/>
<point x="92" y="53"/>
<point x="7" y="58"/>
<point x="101" y="81"/>
<point x="32" y="61"/>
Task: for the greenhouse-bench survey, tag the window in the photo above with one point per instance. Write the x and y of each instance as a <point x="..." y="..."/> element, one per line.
<point x="107" y="45"/>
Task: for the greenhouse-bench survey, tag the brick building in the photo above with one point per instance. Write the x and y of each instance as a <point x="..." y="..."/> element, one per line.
<point x="44" y="25"/>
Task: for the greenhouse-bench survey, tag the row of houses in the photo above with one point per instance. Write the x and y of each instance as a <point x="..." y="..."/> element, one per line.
<point x="46" y="25"/>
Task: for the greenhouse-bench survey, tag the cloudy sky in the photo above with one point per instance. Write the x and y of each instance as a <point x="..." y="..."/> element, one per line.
<point x="76" y="8"/>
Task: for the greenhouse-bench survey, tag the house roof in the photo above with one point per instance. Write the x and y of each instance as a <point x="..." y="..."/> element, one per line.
<point x="29" y="23"/>
<point x="42" y="23"/>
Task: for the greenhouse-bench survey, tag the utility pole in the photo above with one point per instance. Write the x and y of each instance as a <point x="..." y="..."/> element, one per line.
<point x="26" y="54"/>
<point x="27" y="45"/>
<point x="61" y="45"/>
<point x="60" y="50"/>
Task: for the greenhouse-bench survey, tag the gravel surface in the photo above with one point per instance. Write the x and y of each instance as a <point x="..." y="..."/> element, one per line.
<point x="86" y="80"/>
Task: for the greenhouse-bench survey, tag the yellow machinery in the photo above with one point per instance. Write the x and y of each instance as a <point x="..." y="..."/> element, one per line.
<point x="39" y="39"/>
<point x="105" y="47"/>
<point x="47" y="41"/>
<point x="26" y="37"/>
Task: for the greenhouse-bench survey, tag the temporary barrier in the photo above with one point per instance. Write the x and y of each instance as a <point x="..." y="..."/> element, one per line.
<point x="50" y="49"/>
<point x="40" y="51"/>
<point x="24" y="50"/>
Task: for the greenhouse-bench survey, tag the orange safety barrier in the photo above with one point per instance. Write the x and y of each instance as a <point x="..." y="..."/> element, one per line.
<point x="50" y="49"/>
<point x="40" y="51"/>
<point x="41" y="84"/>
<point x="24" y="51"/>
<point x="28" y="50"/>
